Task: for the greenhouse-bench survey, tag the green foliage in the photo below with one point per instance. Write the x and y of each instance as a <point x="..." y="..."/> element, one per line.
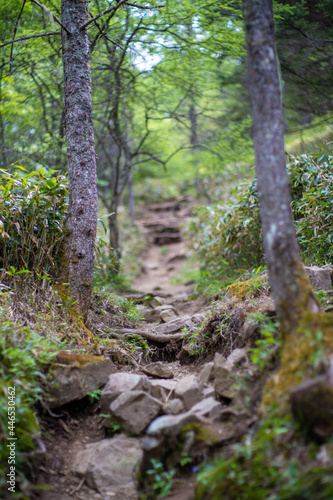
<point x="271" y="463"/>
<point x="127" y="306"/>
<point x="264" y="346"/>
<point x="227" y="238"/>
<point x="94" y="395"/>
<point x="23" y="353"/>
<point x="162" y="480"/>
<point x="311" y="184"/>
<point x="33" y="208"/>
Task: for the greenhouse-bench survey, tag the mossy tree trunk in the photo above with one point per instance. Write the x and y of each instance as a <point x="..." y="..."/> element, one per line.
<point x="81" y="221"/>
<point x="290" y="286"/>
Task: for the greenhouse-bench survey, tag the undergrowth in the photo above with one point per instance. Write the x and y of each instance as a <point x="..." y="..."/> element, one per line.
<point x="24" y="353"/>
<point x="227" y="238"/>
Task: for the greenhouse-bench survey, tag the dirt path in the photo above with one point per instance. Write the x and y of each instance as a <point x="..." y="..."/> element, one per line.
<point x="81" y="424"/>
<point x="165" y="253"/>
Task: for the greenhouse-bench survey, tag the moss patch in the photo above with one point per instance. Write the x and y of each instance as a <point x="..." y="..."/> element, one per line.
<point x="77" y="358"/>
<point x="248" y="288"/>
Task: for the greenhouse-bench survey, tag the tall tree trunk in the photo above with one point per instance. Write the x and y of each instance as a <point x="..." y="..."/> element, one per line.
<point x="114" y="237"/>
<point x="290" y="286"/>
<point x="81" y="221"/>
<point x="131" y="201"/>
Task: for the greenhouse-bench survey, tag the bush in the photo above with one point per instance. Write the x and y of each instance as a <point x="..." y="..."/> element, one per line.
<point x="33" y="209"/>
<point x="227" y="238"/>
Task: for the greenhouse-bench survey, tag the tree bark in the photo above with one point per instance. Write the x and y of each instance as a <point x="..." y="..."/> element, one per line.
<point x="290" y="286"/>
<point x="115" y="237"/>
<point x="131" y="201"/>
<point x="81" y="221"/>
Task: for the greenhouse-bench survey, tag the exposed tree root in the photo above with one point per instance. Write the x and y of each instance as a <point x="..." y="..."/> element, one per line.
<point x="162" y="338"/>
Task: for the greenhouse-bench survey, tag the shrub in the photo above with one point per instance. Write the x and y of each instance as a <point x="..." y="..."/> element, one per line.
<point x="33" y="208"/>
<point x="227" y="238"/>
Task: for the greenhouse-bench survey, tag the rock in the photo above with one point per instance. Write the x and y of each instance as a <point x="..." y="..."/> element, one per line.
<point x="134" y="410"/>
<point x="320" y="277"/>
<point x="173" y="407"/>
<point x="208" y="392"/>
<point x="249" y="329"/>
<point x="198" y="318"/>
<point x="223" y="380"/>
<point x="235" y="358"/>
<point x="171" y="425"/>
<point x="166" y="307"/>
<point x="109" y="466"/>
<point x="157" y="301"/>
<point x="162" y="389"/>
<point x="119" y="383"/>
<point x="158" y="370"/>
<point x="151" y="315"/>
<point x="172" y="326"/>
<point x="75" y="374"/>
<point x="209" y="408"/>
<point x="207" y="373"/>
<point x="189" y="391"/>
<point x="312" y="405"/>
<point x="168" y="315"/>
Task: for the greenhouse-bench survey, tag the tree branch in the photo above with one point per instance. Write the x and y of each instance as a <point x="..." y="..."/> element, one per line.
<point x="29" y="37"/>
<point x="57" y="20"/>
<point x="145" y="8"/>
<point x="115" y="7"/>
<point x="15" y="29"/>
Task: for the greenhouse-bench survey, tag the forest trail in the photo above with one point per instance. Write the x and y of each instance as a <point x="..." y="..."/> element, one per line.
<point x="80" y="426"/>
<point x="165" y="253"/>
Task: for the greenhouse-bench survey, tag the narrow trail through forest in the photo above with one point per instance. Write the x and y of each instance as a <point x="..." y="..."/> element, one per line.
<point x="80" y="426"/>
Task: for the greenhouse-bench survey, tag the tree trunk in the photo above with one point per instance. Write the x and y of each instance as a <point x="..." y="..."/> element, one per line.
<point x="291" y="289"/>
<point x="114" y="238"/>
<point x="81" y="221"/>
<point x="131" y="202"/>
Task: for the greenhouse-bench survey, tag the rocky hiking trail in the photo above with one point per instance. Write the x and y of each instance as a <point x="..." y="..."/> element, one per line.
<point x="81" y="460"/>
<point x="163" y="412"/>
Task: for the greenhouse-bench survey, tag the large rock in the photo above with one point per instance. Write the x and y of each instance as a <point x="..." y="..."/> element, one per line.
<point x="168" y="315"/>
<point x="250" y="329"/>
<point x="119" y="383"/>
<point x="223" y="380"/>
<point x="236" y="357"/>
<point x="207" y="373"/>
<point x="73" y="375"/>
<point x="163" y="389"/>
<point x="189" y="391"/>
<point x="173" y="407"/>
<point x="158" y="370"/>
<point x="109" y="466"/>
<point x="312" y="405"/>
<point x="209" y="408"/>
<point x="151" y="315"/>
<point x="320" y="277"/>
<point x="172" y="425"/>
<point x="134" y="410"/>
<point x="172" y="326"/>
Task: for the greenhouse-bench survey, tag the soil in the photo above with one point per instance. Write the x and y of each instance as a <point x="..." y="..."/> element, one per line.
<point x="81" y="424"/>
